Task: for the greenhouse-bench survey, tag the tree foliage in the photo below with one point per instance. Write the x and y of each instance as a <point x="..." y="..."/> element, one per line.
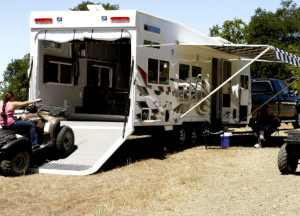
<point x="280" y="29"/>
<point x="15" y="78"/>
<point x="84" y="4"/>
<point x="231" y="30"/>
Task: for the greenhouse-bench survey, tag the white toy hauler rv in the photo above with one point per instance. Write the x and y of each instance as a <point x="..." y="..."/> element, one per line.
<point x="147" y="71"/>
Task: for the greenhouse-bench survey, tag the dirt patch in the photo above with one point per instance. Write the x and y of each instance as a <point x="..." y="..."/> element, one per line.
<point x="239" y="180"/>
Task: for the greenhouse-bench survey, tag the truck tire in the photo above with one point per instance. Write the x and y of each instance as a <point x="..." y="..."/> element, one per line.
<point x="65" y="140"/>
<point x="287" y="159"/>
<point x="296" y="124"/>
<point x="16" y="164"/>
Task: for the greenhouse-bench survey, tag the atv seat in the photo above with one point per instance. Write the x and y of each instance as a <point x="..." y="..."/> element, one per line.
<point x="4" y="132"/>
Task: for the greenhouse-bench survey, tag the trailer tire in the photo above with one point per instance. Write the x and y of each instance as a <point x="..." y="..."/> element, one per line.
<point x="16" y="164"/>
<point x="287" y="159"/>
<point x="194" y="136"/>
<point x="65" y="140"/>
<point x="181" y="139"/>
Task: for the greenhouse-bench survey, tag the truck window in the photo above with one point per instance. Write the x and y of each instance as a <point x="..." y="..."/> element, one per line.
<point x="261" y="88"/>
<point x="282" y="86"/>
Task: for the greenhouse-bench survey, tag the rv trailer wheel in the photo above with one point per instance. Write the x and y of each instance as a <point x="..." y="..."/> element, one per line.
<point x="194" y="136"/>
<point x="181" y="138"/>
<point x="65" y="140"/>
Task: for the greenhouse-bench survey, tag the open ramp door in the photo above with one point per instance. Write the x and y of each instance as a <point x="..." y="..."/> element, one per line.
<point x="95" y="143"/>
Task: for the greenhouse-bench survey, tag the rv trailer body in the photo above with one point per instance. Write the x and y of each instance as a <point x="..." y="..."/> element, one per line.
<point x="131" y="63"/>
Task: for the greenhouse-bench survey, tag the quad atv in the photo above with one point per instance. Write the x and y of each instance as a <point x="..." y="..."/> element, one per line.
<point x="16" y="151"/>
<point x="289" y="153"/>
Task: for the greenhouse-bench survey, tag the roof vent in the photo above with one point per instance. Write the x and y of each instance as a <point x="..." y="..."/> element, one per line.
<point x="95" y="7"/>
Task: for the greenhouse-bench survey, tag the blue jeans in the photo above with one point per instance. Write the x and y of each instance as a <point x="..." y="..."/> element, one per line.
<point x="23" y="127"/>
<point x="267" y="131"/>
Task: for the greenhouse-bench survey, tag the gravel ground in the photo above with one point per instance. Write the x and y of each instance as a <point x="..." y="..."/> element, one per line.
<point x="239" y="180"/>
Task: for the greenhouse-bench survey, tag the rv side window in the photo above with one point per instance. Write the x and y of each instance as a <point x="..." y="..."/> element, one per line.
<point x="164" y="73"/>
<point x="196" y="83"/>
<point x="57" y="70"/>
<point x="151" y="44"/>
<point x="152" y="71"/>
<point x="152" y="29"/>
<point x="245" y="82"/>
<point x="226" y="70"/>
<point x="158" y="72"/>
<point x="184" y="83"/>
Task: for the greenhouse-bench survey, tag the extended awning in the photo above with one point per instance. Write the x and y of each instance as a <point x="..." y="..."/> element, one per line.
<point x="251" y="51"/>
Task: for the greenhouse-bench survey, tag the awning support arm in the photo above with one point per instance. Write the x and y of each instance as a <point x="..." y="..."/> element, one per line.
<point x="220" y="86"/>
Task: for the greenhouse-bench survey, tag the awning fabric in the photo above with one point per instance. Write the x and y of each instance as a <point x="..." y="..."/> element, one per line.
<point x="251" y="51"/>
<point x="66" y="36"/>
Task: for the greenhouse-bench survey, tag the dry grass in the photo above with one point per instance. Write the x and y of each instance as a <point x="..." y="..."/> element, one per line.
<point x="233" y="181"/>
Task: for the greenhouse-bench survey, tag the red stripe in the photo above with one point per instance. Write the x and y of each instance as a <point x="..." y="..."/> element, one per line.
<point x="144" y="75"/>
<point x="161" y="88"/>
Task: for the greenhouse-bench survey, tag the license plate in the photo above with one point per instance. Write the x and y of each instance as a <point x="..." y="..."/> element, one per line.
<point x="47" y="127"/>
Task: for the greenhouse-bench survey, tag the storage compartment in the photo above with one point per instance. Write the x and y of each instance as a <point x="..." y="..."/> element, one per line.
<point x="97" y="79"/>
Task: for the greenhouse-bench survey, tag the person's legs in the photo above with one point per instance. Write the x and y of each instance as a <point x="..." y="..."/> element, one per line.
<point x="23" y="127"/>
<point x="260" y="136"/>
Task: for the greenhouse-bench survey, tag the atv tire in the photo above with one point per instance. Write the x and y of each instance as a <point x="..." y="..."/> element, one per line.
<point x="65" y="140"/>
<point x="287" y="159"/>
<point x="16" y="164"/>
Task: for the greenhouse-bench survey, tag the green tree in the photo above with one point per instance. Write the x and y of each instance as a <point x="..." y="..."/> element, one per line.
<point x="83" y="6"/>
<point x="232" y="30"/>
<point x="15" y="78"/>
<point x="280" y="29"/>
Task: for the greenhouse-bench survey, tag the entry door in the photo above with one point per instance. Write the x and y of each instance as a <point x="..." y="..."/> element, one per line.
<point x="225" y="100"/>
<point x="221" y="100"/>
<point x="215" y="97"/>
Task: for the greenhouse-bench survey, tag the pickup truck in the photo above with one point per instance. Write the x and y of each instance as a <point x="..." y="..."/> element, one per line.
<point x="286" y="105"/>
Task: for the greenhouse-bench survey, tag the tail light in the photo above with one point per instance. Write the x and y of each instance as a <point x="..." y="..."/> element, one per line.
<point x="43" y="21"/>
<point x="120" y="19"/>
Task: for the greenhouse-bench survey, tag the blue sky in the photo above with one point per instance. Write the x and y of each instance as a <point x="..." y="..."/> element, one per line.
<point x="197" y="14"/>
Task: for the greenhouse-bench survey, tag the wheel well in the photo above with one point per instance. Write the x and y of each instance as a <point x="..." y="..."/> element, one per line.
<point x="17" y="144"/>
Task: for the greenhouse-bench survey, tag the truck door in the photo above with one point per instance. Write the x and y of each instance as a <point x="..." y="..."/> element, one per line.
<point x="262" y="90"/>
<point x="288" y="102"/>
